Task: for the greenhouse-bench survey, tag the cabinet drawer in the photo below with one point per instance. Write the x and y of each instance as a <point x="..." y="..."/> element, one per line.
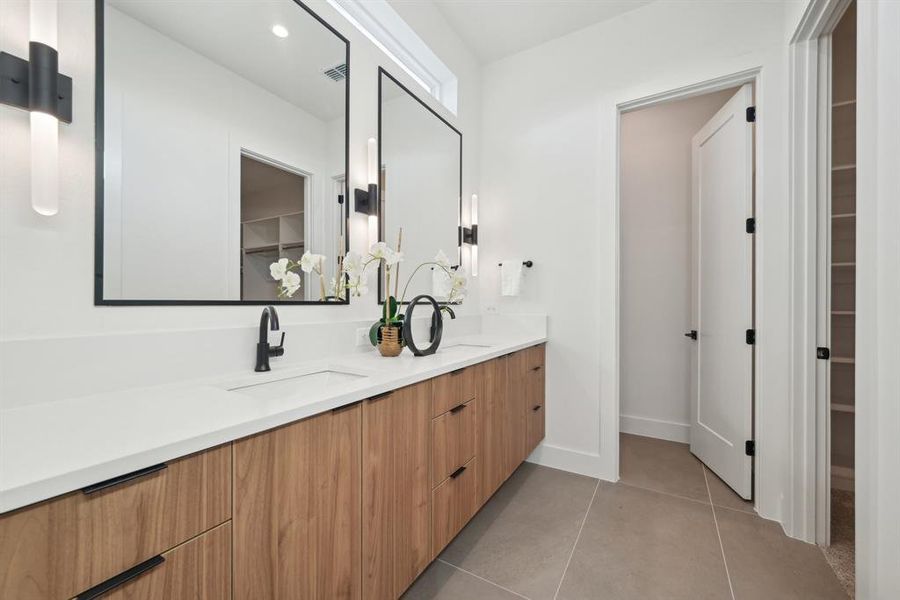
<point x="454" y="503"/>
<point x="197" y="570"/>
<point x="452" y="390"/>
<point x="61" y="547"/>
<point x="535" y="427"/>
<point x="535" y="358"/>
<point x="452" y="440"/>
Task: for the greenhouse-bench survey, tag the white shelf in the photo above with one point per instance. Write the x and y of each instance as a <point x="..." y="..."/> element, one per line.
<point x="844" y="313"/>
<point x="843" y="167"/>
<point x="843" y="264"/>
<point x="843" y="408"/>
<point x="843" y="360"/>
<point x="844" y="216"/>
<point x="843" y="103"/>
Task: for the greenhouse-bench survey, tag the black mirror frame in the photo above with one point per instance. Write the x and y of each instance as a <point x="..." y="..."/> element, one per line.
<point x="382" y="73"/>
<point x="99" y="143"/>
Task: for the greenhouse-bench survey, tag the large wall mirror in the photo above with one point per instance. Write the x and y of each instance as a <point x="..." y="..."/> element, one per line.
<point x="221" y="148"/>
<point x="420" y="154"/>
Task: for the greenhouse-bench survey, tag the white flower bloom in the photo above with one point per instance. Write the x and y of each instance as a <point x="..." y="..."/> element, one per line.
<point x="353" y="264"/>
<point x="290" y="283"/>
<point x="312" y="262"/>
<point x="279" y="269"/>
<point x="382" y="251"/>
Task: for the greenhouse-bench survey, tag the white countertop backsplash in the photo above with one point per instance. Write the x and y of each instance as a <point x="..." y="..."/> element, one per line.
<point x="106" y="428"/>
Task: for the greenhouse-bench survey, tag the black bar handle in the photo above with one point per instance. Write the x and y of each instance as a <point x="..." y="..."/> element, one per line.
<point x="536" y="408"/>
<point x="121" y="579"/>
<point x="537" y="368"/>
<point x="457" y="372"/>
<point x="345" y="407"/>
<point x="380" y="396"/>
<point x="527" y="263"/>
<point x="457" y="408"/>
<point x="457" y="473"/>
<point x="97" y="487"/>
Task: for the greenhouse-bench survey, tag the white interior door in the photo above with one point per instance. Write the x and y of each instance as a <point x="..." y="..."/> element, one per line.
<point x="722" y="362"/>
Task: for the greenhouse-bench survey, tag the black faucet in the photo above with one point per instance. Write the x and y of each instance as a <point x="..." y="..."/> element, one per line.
<point x="434" y="321"/>
<point x="269" y="318"/>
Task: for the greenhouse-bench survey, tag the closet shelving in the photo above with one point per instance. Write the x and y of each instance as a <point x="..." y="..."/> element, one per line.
<point x="263" y="241"/>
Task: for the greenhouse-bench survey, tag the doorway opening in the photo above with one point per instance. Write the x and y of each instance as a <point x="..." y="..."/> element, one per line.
<point x="686" y="264"/>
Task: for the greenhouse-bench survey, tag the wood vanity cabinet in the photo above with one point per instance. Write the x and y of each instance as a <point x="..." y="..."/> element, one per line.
<point x="297" y="510"/>
<point x="62" y="547"/>
<point x="535" y="384"/>
<point x="396" y="490"/>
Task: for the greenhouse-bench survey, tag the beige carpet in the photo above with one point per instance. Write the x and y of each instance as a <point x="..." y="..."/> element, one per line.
<point x="841" y="555"/>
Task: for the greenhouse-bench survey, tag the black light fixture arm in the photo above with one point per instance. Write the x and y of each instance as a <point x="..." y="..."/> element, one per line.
<point x="35" y="84"/>
<point x="366" y="201"/>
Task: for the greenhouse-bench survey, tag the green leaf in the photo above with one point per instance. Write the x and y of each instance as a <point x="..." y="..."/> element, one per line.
<point x="373" y="332"/>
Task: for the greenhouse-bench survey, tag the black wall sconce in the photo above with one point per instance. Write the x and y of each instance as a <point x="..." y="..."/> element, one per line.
<point x="366" y="201"/>
<point x="469" y="235"/>
<point x="36" y="84"/>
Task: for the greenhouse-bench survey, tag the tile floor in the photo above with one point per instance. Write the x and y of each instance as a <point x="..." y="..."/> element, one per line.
<point x="669" y="529"/>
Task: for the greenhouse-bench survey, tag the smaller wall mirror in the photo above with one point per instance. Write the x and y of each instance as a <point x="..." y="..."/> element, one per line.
<point x="420" y="154"/>
<point x="222" y="148"/>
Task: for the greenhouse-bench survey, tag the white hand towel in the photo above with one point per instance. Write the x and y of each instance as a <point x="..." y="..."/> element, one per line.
<point x="511" y="277"/>
<point x="440" y="283"/>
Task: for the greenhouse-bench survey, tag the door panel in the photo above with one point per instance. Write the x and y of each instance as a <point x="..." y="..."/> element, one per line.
<point x="722" y="369"/>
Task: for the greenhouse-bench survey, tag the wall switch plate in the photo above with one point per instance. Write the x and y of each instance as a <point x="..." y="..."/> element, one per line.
<point x="362" y="337"/>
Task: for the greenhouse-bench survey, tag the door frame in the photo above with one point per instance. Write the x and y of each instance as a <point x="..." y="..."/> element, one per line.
<point x="809" y="189"/>
<point x="708" y="86"/>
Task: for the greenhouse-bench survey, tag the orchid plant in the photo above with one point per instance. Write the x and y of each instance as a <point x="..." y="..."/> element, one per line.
<point x="353" y="275"/>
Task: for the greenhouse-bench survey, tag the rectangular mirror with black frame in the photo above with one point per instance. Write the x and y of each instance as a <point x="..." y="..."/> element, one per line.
<point x="420" y="154"/>
<point x="222" y="147"/>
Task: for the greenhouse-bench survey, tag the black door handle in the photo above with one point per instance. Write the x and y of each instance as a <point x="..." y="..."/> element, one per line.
<point x="691" y="334"/>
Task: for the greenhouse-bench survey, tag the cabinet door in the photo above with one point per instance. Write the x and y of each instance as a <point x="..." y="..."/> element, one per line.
<point x="199" y="569"/>
<point x="297" y="510"/>
<point x="396" y="490"/>
<point x="494" y="431"/>
<point x="534" y="409"/>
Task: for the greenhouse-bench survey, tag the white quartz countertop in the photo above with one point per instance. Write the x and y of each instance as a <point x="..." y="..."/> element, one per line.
<point x="57" y="447"/>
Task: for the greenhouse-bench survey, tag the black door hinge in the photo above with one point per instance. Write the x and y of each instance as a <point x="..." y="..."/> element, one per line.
<point x="750" y="226"/>
<point x="823" y="353"/>
<point x="751" y="114"/>
<point x="751" y="336"/>
<point x="750" y="448"/>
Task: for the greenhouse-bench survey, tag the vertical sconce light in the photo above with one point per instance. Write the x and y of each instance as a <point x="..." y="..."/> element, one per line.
<point x="36" y="85"/>
<point x="470" y="234"/>
<point x="366" y="201"/>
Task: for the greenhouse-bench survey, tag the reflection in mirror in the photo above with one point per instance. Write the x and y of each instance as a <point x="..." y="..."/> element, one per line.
<point x="224" y="129"/>
<point x="421" y="183"/>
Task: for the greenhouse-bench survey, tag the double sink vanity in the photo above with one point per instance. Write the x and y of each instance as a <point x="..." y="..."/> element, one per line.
<point x="340" y="479"/>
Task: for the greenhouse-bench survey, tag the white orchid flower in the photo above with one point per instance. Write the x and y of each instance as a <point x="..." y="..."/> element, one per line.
<point x="312" y="262"/>
<point x="379" y="250"/>
<point x="353" y="265"/>
<point x="290" y="283"/>
<point x="279" y="269"/>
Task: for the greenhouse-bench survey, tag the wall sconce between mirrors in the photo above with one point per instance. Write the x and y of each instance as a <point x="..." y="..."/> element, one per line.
<point x="222" y="148"/>
<point x="419" y="176"/>
<point x="37" y="86"/>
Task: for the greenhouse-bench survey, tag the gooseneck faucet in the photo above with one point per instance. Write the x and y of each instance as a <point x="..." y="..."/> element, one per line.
<point x="268" y="319"/>
<point x="433" y="331"/>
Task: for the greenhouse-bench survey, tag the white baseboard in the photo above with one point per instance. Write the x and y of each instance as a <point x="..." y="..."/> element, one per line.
<point x="842" y="478"/>
<point x="655" y="428"/>
<point x="573" y="461"/>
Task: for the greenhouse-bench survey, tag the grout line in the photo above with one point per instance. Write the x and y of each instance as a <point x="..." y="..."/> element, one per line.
<point x="647" y="489"/>
<point x="497" y="585"/>
<point x="719" y="535"/>
<point x="577" y="537"/>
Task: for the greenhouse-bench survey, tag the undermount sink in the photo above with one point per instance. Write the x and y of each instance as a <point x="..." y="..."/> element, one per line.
<point x="308" y="383"/>
<point x="463" y="347"/>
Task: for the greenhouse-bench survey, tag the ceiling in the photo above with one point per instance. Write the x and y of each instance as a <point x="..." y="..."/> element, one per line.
<point x="494" y="29"/>
<point x="237" y="35"/>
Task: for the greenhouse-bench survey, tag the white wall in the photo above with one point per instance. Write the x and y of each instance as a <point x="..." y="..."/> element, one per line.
<point x="655" y="267"/>
<point x="549" y="142"/>
<point x="48" y="323"/>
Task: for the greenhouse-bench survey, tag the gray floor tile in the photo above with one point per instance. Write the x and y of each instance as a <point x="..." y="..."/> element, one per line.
<point x="661" y="465"/>
<point x="523" y="536"/>
<point x="639" y="544"/>
<point x="764" y="563"/>
<point x="724" y="496"/>
<point x="443" y="582"/>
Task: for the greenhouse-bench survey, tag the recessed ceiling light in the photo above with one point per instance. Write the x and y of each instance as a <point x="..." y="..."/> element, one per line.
<point x="280" y="31"/>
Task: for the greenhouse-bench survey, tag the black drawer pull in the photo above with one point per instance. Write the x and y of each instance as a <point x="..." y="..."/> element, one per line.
<point x="457" y="372"/>
<point x="537" y="368"/>
<point x="457" y="473"/>
<point x="96" y="487"/>
<point x="457" y="408"/>
<point x="380" y="396"/>
<point x="536" y="408"/>
<point x="121" y="579"/>
<point x="345" y="407"/>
